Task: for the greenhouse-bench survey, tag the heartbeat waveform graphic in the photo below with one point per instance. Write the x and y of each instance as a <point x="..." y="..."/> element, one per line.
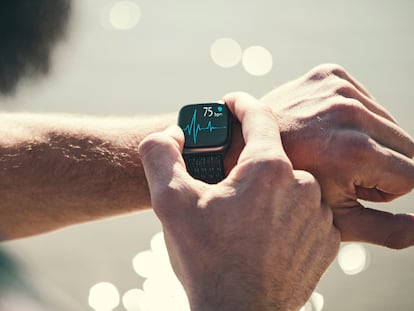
<point x="193" y="128"/>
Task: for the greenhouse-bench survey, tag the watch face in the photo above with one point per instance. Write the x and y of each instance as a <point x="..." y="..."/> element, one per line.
<point x="205" y="125"/>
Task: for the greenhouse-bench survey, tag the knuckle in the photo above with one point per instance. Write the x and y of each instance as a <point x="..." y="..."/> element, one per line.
<point x="337" y="70"/>
<point x="308" y="187"/>
<point x="345" y="109"/>
<point x="343" y="87"/>
<point x="271" y="169"/>
<point x="281" y="166"/>
<point x="323" y="71"/>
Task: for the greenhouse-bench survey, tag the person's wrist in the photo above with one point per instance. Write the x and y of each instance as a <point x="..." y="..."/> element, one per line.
<point x="230" y="301"/>
<point x="226" y="292"/>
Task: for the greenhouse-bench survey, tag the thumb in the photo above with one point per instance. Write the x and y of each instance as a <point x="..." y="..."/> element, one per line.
<point x="161" y="158"/>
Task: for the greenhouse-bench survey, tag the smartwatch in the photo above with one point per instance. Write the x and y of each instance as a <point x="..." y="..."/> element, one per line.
<point x="207" y="132"/>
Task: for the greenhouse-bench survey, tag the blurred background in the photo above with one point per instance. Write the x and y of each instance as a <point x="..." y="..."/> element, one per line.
<point x="140" y="56"/>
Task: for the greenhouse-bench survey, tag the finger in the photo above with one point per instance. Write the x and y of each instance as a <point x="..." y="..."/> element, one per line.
<point x="161" y="157"/>
<point x="368" y="225"/>
<point x="385" y="132"/>
<point x="354" y="91"/>
<point x="333" y="70"/>
<point x="378" y="167"/>
<point x="343" y="74"/>
<point x="393" y="175"/>
<point x="260" y="130"/>
<point x="367" y="171"/>
<point x="374" y="195"/>
<point x="349" y="87"/>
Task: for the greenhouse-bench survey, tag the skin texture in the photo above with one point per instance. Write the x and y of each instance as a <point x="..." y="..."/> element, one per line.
<point x="58" y="170"/>
<point x="330" y="126"/>
<point x="250" y="268"/>
<point x="333" y="128"/>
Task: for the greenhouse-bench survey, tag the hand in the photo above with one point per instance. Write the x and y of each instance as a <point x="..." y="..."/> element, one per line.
<point x="258" y="240"/>
<point x="334" y="129"/>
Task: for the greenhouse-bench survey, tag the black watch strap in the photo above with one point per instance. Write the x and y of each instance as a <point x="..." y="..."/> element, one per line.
<point x="208" y="167"/>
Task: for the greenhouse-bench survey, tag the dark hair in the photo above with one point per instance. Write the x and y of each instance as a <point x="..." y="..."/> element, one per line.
<point x="29" y="29"/>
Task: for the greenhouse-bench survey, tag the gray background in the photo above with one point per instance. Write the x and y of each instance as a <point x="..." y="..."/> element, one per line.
<point x="164" y="63"/>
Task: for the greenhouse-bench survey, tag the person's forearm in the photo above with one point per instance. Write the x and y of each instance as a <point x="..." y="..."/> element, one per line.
<point x="57" y="170"/>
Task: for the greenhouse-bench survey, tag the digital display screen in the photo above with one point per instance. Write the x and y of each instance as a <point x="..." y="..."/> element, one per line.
<point x="205" y="125"/>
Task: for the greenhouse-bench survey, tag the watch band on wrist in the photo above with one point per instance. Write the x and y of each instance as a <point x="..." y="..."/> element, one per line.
<point x="206" y="167"/>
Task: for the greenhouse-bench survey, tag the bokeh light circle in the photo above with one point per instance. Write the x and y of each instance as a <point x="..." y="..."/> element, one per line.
<point x="124" y="15"/>
<point x="226" y="52"/>
<point x="158" y="243"/>
<point x="161" y="289"/>
<point x="103" y="296"/>
<point x="306" y="307"/>
<point x="144" y="263"/>
<point x="131" y="300"/>
<point x="353" y="258"/>
<point x="314" y="303"/>
<point x="257" y="60"/>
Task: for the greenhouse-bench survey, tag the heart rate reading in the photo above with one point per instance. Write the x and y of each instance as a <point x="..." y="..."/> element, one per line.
<point x="193" y="128"/>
